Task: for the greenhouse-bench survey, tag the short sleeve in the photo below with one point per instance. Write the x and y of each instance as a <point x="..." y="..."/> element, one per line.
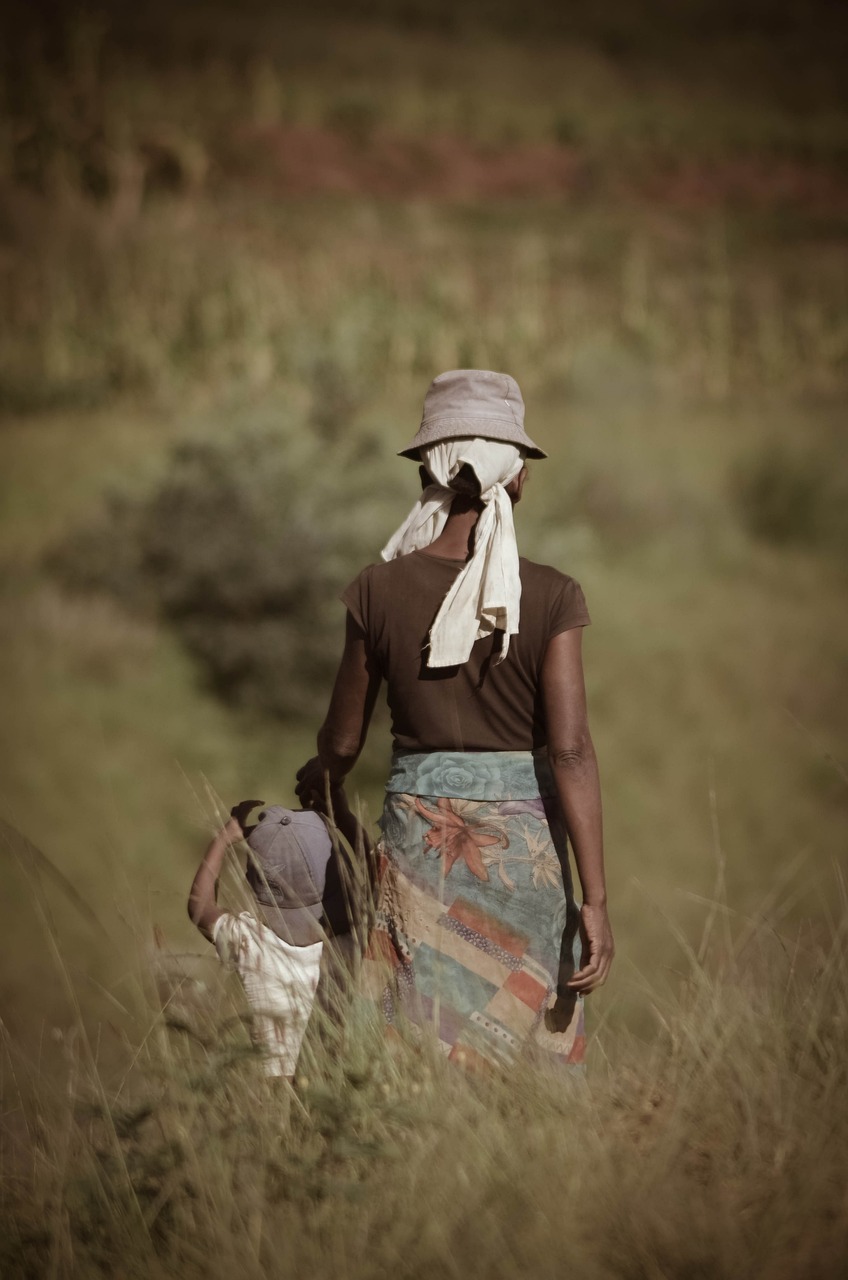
<point x="225" y="936"/>
<point x="568" y="607"/>
<point x="357" y="598"/>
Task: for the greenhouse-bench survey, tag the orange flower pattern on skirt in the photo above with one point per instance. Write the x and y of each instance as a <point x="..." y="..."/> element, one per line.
<point x="455" y="837"/>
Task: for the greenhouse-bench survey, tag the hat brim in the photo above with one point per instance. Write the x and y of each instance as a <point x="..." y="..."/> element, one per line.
<point x="470" y="429"/>
<point x="298" y="926"/>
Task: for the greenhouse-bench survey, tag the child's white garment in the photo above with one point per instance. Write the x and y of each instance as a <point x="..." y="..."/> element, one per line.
<point x="279" y="981"/>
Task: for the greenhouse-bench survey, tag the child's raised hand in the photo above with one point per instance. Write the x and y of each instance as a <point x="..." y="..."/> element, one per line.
<point x="237" y="827"/>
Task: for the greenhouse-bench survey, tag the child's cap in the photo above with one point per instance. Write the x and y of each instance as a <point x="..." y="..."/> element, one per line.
<point x="287" y="871"/>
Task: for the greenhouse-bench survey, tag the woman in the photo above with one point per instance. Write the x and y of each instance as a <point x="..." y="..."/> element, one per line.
<point x="493" y="766"/>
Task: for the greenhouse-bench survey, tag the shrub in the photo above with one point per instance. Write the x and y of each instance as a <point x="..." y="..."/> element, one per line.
<point x="789" y="496"/>
<point x="243" y="548"/>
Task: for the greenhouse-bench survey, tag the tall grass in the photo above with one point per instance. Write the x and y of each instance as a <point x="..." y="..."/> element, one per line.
<point x="170" y="231"/>
<point x="188" y="300"/>
<point x="713" y="1146"/>
<point x="161" y="252"/>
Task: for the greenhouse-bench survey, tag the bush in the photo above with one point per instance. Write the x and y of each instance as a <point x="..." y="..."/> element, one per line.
<point x="243" y="548"/>
<point x="787" y="497"/>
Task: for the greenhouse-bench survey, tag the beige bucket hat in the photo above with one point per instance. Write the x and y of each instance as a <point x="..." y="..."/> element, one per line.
<point x="473" y="402"/>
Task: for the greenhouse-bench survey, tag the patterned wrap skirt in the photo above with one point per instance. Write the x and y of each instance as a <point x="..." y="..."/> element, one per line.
<point x="476" y="929"/>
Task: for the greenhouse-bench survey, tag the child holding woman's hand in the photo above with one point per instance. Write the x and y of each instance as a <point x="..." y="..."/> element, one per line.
<point x="301" y="883"/>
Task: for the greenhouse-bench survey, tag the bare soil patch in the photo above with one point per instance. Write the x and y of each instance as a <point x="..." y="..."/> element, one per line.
<point x="308" y="160"/>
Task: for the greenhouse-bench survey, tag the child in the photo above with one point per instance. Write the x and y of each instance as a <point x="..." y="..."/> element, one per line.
<point x="297" y="875"/>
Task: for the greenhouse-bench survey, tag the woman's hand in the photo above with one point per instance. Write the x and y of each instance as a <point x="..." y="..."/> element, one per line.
<point x="598" y="950"/>
<point x="311" y="786"/>
<point x="311" y="789"/>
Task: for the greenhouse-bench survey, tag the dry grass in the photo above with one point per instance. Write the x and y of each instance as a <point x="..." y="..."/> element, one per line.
<point x="221" y="300"/>
<point x="668" y="282"/>
<point x="713" y="1146"/>
<point x="178" y="217"/>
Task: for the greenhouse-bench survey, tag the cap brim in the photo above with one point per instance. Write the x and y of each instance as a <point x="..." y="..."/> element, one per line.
<point x="299" y="926"/>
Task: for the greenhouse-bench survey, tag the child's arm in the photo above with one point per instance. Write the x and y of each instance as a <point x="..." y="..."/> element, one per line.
<point x="203" y="909"/>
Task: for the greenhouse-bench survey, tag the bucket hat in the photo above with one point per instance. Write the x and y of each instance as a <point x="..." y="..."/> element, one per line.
<point x="473" y="402"/>
<point x="287" y="871"/>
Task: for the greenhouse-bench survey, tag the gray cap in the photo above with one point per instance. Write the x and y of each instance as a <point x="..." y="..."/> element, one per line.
<point x="473" y="402"/>
<point x="287" y="871"/>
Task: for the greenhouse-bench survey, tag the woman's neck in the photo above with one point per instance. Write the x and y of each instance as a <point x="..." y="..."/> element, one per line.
<point x="456" y="541"/>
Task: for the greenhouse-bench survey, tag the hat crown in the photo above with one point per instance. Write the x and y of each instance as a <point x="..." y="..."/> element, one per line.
<point x="474" y="393"/>
<point x="469" y="403"/>
<point x="291" y="849"/>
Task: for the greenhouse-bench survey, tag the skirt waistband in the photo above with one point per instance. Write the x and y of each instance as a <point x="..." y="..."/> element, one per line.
<point x="472" y="775"/>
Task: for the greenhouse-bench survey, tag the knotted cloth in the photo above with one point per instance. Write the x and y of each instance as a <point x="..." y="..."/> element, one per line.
<point x="486" y="595"/>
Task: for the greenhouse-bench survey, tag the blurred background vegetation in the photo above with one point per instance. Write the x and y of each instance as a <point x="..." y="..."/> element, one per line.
<point x="236" y="243"/>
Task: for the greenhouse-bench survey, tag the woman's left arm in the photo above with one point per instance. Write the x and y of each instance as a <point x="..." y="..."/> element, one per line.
<point x="342" y="735"/>
<point x="575" y="771"/>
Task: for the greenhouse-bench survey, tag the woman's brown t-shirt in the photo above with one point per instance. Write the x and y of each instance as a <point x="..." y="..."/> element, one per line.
<point x="482" y="705"/>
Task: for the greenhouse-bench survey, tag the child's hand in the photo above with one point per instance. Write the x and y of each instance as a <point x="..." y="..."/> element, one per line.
<point x="236" y="828"/>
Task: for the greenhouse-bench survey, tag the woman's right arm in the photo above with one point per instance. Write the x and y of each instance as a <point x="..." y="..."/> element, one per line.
<point x="575" y="769"/>
<point x="342" y="735"/>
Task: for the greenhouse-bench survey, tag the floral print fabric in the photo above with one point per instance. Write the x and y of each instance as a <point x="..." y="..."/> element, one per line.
<point x="476" y="929"/>
<point x="472" y="775"/>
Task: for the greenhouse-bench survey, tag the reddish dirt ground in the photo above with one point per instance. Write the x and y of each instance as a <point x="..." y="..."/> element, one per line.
<point x="304" y="160"/>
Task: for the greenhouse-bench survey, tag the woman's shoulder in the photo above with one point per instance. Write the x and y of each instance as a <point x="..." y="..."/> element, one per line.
<point x="553" y="596"/>
<point x="376" y="575"/>
<point x="417" y="565"/>
<point x="372" y="590"/>
<point x="534" y="574"/>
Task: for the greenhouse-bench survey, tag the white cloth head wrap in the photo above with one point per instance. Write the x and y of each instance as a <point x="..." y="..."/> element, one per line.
<point x="486" y="595"/>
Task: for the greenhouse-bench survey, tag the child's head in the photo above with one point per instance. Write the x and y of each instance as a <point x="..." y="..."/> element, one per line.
<point x="290" y="850"/>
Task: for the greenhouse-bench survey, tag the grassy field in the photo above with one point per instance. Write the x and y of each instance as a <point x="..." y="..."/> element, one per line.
<point x="230" y="224"/>
<point x="709" y="1149"/>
